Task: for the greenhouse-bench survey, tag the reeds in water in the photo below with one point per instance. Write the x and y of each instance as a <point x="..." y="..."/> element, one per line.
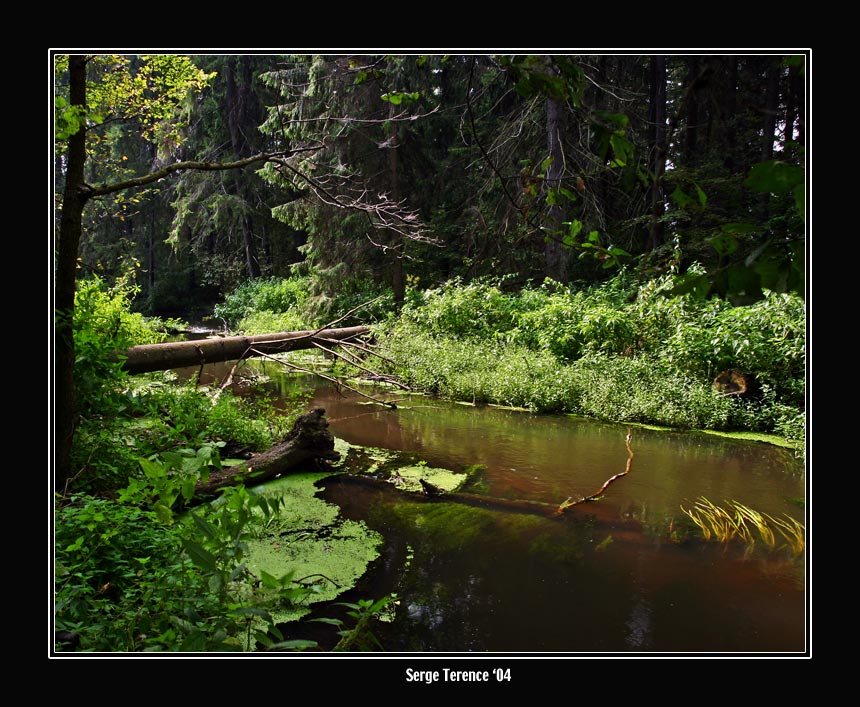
<point x="736" y="521"/>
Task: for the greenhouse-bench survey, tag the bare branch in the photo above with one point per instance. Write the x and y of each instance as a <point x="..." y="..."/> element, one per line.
<point x="570" y="502"/>
<point x="103" y="189"/>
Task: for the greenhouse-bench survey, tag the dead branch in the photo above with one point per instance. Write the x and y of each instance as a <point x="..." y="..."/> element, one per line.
<point x="228" y="380"/>
<point x="400" y="385"/>
<point x="570" y="502"/>
<point x="359" y="347"/>
<point x="338" y="383"/>
<point x="344" y="316"/>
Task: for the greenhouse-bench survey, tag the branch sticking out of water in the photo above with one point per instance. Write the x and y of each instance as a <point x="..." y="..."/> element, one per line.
<point x="570" y="502"/>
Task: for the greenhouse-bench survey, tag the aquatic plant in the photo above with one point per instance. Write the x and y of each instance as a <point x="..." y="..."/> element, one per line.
<point x="737" y="521"/>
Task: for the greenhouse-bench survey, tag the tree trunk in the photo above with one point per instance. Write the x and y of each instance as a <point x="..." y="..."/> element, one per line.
<point x="691" y="146"/>
<point x="162" y="357"/>
<point x="309" y="440"/>
<point x="398" y="283"/>
<point x="657" y="115"/>
<point x="241" y="115"/>
<point x="71" y="225"/>
<point x="554" y="250"/>
<point x="771" y="108"/>
<point x="791" y="101"/>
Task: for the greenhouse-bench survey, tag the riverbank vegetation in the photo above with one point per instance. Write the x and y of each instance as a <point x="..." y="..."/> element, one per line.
<point x="624" y="350"/>
<point x="594" y="234"/>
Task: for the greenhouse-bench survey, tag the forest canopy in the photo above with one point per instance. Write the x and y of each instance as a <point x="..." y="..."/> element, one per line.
<point x="390" y="169"/>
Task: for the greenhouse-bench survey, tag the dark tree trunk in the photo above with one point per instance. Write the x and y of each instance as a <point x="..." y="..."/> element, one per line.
<point x="309" y="440"/>
<point x="691" y="134"/>
<point x="771" y="108"/>
<point x="398" y="283"/>
<point x="799" y="91"/>
<point x="728" y="132"/>
<point x="71" y="225"/>
<point x="555" y="252"/>
<point x="794" y="105"/>
<point x="657" y="116"/>
<point x="241" y="117"/>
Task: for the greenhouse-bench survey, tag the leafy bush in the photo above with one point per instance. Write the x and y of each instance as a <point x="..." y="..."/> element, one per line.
<point x="647" y="389"/>
<point x="103" y="325"/>
<point x="118" y="576"/>
<point x="618" y="351"/>
<point x="275" y="295"/>
<point x="479" y="309"/>
<point x="766" y="338"/>
<point x="267" y="322"/>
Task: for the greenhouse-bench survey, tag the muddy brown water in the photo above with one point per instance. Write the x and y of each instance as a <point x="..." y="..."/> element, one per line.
<point x="608" y="577"/>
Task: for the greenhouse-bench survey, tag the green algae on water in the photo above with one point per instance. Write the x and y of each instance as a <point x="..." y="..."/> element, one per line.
<point x="408" y="478"/>
<point x="310" y="540"/>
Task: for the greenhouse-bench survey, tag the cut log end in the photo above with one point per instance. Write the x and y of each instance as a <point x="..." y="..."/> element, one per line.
<point x="734" y="383"/>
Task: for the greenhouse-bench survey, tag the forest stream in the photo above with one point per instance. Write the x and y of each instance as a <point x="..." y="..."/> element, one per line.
<point x="614" y="576"/>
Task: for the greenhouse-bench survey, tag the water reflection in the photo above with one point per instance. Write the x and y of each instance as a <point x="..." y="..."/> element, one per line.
<point x="607" y="577"/>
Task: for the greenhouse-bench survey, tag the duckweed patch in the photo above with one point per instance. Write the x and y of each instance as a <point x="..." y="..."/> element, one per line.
<point x="307" y="538"/>
<point x="755" y="437"/>
<point x="408" y="478"/>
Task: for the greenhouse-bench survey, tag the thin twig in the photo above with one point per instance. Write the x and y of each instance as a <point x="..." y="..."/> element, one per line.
<point x="341" y="318"/>
<point x="360" y="347"/>
<point x="229" y="379"/>
<point x="570" y="502"/>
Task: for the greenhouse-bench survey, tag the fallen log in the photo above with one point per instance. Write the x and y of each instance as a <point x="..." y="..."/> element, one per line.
<point x="177" y="354"/>
<point x="309" y="440"/>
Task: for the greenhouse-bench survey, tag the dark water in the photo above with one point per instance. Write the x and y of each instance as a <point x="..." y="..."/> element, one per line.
<point x="605" y="577"/>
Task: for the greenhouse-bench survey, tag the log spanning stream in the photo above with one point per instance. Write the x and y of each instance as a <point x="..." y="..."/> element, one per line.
<point x="611" y="577"/>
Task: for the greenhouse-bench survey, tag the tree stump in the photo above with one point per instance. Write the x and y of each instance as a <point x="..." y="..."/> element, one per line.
<point x="309" y="440"/>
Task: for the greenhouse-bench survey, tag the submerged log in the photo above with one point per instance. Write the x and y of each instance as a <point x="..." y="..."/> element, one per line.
<point x="162" y="357"/>
<point x="308" y="441"/>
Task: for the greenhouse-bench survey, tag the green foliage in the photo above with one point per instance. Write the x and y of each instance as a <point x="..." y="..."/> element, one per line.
<point x="118" y="574"/>
<point x="129" y="581"/>
<point x="103" y="325"/>
<point x="766" y="338"/>
<point x="275" y="296"/>
<point x="620" y="351"/>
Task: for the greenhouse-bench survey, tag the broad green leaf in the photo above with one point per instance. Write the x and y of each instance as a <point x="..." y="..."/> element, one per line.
<point x="323" y="620"/>
<point x="724" y="243"/>
<point x="774" y="177"/>
<point x="296" y="644"/>
<point x="201" y="557"/>
<point x="575" y="228"/>
<point x="205" y="527"/>
<point x="568" y="193"/>
<point x="152" y="469"/>
<point x="681" y="198"/>
<point x="594" y="237"/>
<point x="615" y="250"/>
<point x="703" y="198"/>
<point x="545" y="165"/>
